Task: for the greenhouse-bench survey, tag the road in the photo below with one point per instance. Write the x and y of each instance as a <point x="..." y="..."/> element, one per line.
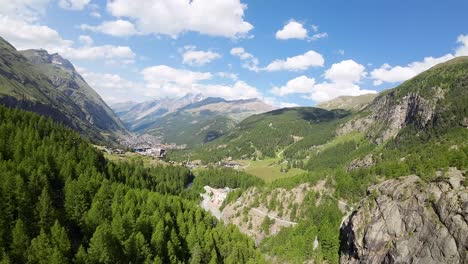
<point x="274" y="217"/>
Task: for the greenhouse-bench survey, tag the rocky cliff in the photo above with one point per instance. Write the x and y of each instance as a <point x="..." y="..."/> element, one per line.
<point x="435" y="99"/>
<point x="408" y="220"/>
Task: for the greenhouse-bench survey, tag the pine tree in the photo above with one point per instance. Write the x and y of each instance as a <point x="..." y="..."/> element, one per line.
<point x="45" y="210"/>
<point x="60" y="241"/>
<point x="20" y="242"/>
<point x="40" y="250"/>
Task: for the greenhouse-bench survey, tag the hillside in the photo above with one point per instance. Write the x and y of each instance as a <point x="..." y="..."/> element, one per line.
<point x="62" y="202"/>
<point x="190" y="120"/>
<point x="371" y="173"/>
<point x="264" y="135"/>
<point x="352" y="103"/>
<point x="48" y="84"/>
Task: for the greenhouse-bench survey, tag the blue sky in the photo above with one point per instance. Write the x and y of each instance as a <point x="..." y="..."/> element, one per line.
<point x="284" y="52"/>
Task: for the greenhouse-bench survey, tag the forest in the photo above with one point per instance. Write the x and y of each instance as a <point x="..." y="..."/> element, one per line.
<point x="63" y="202"/>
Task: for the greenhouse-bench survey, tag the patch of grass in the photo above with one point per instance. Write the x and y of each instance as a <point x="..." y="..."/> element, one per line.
<point x="269" y="169"/>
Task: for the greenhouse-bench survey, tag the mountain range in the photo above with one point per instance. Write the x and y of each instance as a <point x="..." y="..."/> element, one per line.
<point x="49" y="84"/>
<point x="190" y="120"/>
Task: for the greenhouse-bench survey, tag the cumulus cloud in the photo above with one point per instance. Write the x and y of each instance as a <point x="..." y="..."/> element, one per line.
<point x="342" y="78"/>
<point x="173" y="17"/>
<point x="112" y="87"/>
<point x="296" y="30"/>
<point x="27" y="10"/>
<point x="297" y="63"/>
<point x="328" y="90"/>
<point x="238" y="90"/>
<point x="194" y="57"/>
<point x="250" y="62"/>
<point x="73" y="4"/>
<point x="117" y="28"/>
<point x="462" y="50"/>
<point x="299" y="85"/>
<point x="292" y="30"/>
<point x="24" y="35"/>
<point x="347" y="71"/>
<point x="228" y="75"/>
<point x="162" y="80"/>
<point x="86" y="40"/>
<point x="278" y="103"/>
<point x="393" y="74"/>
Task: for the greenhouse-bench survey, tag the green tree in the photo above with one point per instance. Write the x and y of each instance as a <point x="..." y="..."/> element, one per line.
<point x="20" y="242"/>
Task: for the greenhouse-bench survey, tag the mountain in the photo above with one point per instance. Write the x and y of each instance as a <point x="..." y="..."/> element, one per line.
<point x="264" y="135"/>
<point x="49" y="84"/>
<point x="432" y="102"/>
<point x="352" y="103"/>
<point x="190" y="120"/>
<point x="142" y="114"/>
<point x="383" y="184"/>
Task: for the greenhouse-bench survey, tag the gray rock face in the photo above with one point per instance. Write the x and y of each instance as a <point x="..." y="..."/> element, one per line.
<point x="365" y="162"/>
<point x="389" y="114"/>
<point x="407" y="220"/>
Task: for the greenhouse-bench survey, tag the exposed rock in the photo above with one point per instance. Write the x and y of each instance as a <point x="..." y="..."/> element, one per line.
<point x="365" y="162"/>
<point x="407" y="220"/>
<point x="389" y="114"/>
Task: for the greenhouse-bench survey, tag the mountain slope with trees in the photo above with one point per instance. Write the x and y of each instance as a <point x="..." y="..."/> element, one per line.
<point x="49" y="85"/>
<point x="62" y="202"/>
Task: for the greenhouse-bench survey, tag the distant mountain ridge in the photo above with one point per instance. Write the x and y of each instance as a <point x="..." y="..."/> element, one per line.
<point x="352" y="103"/>
<point x="191" y="119"/>
<point x="49" y="85"/>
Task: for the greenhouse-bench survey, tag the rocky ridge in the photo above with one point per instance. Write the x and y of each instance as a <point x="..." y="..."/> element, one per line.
<point x="408" y="220"/>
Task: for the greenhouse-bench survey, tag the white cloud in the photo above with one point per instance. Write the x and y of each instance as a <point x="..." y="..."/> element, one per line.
<point x="27" y="10"/>
<point x="296" y="30"/>
<point x="238" y="90"/>
<point x="297" y="63"/>
<point x="118" y="28"/>
<point x="319" y="36"/>
<point x="389" y="74"/>
<point x="86" y="40"/>
<point x="343" y="79"/>
<point x="299" y="85"/>
<point x="30" y="36"/>
<point x="292" y="30"/>
<point x="228" y="75"/>
<point x="347" y="71"/>
<point x="73" y="4"/>
<point x="164" y="81"/>
<point x="326" y="91"/>
<point x="173" y="17"/>
<point x="463" y="49"/>
<point x="95" y="14"/>
<point x="112" y="87"/>
<point x="27" y="36"/>
<point x="249" y="61"/>
<point x="277" y="103"/>
<point x="194" y="57"/>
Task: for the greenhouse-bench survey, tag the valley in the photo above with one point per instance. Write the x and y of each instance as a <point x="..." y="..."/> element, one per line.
<point x="194" y="173"/>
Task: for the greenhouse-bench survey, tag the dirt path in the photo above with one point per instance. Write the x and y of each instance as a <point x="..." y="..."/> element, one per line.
<point x="274" y="217"/>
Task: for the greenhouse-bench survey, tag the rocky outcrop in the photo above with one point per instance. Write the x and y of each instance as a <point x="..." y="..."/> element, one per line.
<point x="365" y="162"/>
<point x="389" y="114"/>
<point x="408" y="220"/>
